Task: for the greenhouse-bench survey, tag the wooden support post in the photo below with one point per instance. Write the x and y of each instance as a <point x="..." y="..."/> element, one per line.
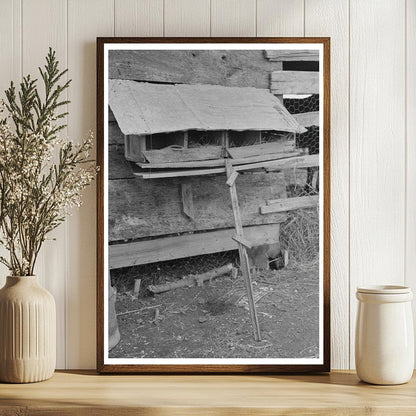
<point x="245" y="266"/>
<point x="225" y="143"/>
<point x="286" y="257"/>
<point x="136" y="290"/>
<point x="226" y="139"/>
<point x="279" y="67"/>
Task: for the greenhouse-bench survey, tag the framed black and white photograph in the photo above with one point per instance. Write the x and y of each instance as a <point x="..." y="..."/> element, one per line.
<point x="213" y="205"/>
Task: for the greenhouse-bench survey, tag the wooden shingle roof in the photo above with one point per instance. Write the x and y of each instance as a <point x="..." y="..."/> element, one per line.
<point x="142" y="108"/>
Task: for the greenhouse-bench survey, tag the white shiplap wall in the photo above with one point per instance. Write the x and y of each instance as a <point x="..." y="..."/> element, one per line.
<point x="373" y="131"/>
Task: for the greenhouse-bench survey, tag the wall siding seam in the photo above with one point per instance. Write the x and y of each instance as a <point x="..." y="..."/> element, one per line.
<point x="21" y="39"/>
<point x="304" y="17"/>
<point x="256" y="19"/>
<point x="405" y="145"/>
<point x="349" y="184"/>
<point x="66" y="245"/>
<point x="210" y="17"/>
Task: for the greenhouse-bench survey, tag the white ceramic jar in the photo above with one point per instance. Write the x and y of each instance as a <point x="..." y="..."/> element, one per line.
<point x="384" y="352"/>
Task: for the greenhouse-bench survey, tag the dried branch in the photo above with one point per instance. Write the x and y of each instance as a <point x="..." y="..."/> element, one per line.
<point x="38" y="187"/>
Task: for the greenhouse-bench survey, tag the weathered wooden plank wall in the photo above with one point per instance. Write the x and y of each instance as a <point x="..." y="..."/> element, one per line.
<point x="373" y="129"/>
<point x="161" y="211"/>
<point x="231" y="68"/>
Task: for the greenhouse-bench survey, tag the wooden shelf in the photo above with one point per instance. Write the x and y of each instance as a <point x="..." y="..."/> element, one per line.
<point x="86" y="393"/>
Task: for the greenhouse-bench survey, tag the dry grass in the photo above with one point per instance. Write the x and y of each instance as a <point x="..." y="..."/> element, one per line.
<point x="300" y="236"/>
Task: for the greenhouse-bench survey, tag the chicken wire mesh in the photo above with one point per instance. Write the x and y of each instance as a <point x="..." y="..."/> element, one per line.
<point x="304" y="181"/>
<point x="309" y="140"/>
<point x="302" y="105"/>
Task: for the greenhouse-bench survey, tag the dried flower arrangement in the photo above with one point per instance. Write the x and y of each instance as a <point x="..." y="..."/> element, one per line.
<point x="41" y="174"/>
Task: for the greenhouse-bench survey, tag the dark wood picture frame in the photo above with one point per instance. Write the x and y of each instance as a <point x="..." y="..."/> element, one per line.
<point x="102" y="367"/>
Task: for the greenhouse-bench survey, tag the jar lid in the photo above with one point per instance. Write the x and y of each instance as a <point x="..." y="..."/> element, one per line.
<point x="384" y="289"/>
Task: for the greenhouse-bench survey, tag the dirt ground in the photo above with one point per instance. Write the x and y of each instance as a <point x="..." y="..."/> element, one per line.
<point x="213" y="321"/>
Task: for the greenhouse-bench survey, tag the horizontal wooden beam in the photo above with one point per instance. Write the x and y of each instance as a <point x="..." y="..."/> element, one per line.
<point x="176" y="154"/>
<point x="280" y="164"/>
<point x="292" y="55"/>
<point x="294" y="82"/>
<point x="187" y="245"/>
<point x="233" y="68"/>
<point x="216" y="162"/>
<point x="283" y="145"/>
<point x="289" y="204"/>
<point x="307" y="119"/>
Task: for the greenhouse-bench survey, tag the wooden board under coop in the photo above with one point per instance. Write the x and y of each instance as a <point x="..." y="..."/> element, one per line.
<point x="141" y="208"/>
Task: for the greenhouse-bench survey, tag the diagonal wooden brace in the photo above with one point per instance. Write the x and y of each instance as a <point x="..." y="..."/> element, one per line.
<point x="240" y="239"/>
<point x="245" y="267"/>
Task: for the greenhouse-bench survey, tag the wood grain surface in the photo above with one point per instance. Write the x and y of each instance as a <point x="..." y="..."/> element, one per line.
<point x="186" y="245"/>
<point x="294" y="82"/>
<point x="141" y="208"/>
<point x="207" y="68"/>
<point x="85" y="393"/>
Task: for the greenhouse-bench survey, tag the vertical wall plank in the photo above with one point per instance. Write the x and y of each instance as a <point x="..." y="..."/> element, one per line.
<point x="10" y="44"/>
<point x="233" y="18"/>
<point x="377" y="140"/>
<point x="86" y="21"/>
<point x="10" y="67"/>
<point x="331" y="18"/>
<point x="138" y="17"/>
<point x="411" y="149"/>
<point x="187" y="18"/>
<point x="280" y="18"/>
<point x="44" y="25"/>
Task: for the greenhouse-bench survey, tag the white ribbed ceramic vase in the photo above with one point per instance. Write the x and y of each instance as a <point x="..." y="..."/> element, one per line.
<point x="27" y="331"/>
<point x="384" y="341"/>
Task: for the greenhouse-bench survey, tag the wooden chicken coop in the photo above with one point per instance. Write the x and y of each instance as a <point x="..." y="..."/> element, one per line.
<point x="169" y="147"/>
